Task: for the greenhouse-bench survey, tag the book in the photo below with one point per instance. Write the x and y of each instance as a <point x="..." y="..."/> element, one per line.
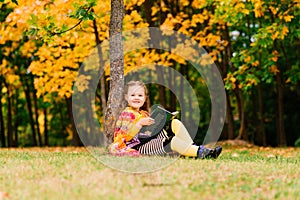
<point x="162" y="118"/>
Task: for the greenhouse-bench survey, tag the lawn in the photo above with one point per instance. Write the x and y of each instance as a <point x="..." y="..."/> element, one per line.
<point x="241" y="172"/>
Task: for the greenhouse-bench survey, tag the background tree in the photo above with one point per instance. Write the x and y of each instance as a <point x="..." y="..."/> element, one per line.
<point x="254" y="43"/>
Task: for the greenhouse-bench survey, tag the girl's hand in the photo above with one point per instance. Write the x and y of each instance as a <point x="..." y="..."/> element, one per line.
<point x="145" y="122"/>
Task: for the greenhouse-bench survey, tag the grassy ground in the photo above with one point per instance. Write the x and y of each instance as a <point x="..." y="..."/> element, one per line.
<point x="71" y="173"/>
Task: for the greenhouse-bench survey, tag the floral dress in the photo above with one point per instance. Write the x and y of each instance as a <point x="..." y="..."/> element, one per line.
<point x="126" y="132"/>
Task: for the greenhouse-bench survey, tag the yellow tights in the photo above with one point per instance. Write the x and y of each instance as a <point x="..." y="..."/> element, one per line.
<point x="182" y="141"/>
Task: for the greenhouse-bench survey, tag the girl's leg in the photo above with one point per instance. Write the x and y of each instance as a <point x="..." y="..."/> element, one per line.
<point x="183" y="147"/>
<point x="182" y="141"/>
<point x="153" y="147"/>
<point x="180" y="131"/>
<point x="187" y="149"/>
<point x="158" y="145"/>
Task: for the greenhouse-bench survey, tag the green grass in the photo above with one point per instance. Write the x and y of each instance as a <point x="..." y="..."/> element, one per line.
<point x="239" y="173"/>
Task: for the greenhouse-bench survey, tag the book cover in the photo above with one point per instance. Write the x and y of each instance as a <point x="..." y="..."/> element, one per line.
<point x="162" y="118"/>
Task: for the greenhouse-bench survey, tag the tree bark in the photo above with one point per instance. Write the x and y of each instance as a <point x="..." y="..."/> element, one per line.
<point x="172" y="84"/>
<point x="181" y="97"/>
<point x="75" y="137"/>
<point x="46" y="135"/>
<point x="29" y="107"/>
<point x="161" y="88"/>
<point x="261" y="133"/>
<point x="9" y="118"/>
<point x="16" y="119"/>
<point x="2" y="128"/>
<point x="243" y="134"/>
<point x="35" y="103"/>
<point x="90" y="119"/>
<point x="102" y="73"/>
<point x="115" y="98"/>
<point x="225" y="66"/>
<point x="147" y="10"/>
<point x="280" y="112"/>
<point x="189" y="107"/>
<point x="229" y="119"/>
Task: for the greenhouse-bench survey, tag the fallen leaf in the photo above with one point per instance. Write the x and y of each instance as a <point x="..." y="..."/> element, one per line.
<point x="3" y="195"/>
<point x="235" y="155"/>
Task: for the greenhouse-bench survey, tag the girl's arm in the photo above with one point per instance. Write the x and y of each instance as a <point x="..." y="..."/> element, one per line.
<point x="144" y="122"/>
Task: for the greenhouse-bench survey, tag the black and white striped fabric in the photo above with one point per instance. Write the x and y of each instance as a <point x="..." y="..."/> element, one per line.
<point x="153" y="146"/>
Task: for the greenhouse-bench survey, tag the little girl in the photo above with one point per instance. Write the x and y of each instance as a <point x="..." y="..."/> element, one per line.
<point x="127" y="138"/>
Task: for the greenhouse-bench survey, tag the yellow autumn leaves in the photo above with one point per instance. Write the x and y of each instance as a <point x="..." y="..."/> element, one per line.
<point x="82" y="82"/>
<point x="54" y="63"/>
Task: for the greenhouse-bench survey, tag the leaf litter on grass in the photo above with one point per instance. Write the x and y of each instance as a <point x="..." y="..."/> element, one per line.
<point x="239" y="148"/>
<point x="3" y="195"/>
<point x="72" y="173"/>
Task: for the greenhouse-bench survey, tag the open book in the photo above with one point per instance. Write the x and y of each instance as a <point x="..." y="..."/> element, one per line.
<point x="162" y="119"/>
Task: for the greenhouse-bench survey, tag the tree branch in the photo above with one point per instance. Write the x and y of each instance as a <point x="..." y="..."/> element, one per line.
<point x="77" y="24"/>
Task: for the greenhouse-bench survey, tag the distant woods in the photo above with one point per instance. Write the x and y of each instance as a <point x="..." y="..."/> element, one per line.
<point x="255" y="45"/>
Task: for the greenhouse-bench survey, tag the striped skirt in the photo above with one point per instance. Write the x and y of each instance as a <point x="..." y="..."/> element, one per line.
<point x="153" y="145"/>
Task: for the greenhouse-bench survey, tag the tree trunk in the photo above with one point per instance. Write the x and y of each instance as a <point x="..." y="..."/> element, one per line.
<point x="261" y="133"/>
<point x="171" y="80"/>
<point x="62" y="128"/>
<point x="151" y="92"/>
<point x="190" y="103"/>
<point x="90" y="131"/>
<point x="115" y="101"/>
<point x="172" y="84"/>
<point x="29" y="107"/>
<point x="161" y="88"/>
<point x="16" y="120"/>
<point x="2" y="128"/>
<point x="147" y="10"/>
<point x="40" y="143"/>
<point x="189" y="108"/>
<point x="181" y="96"/>
<point x="9" y="117"/>
<point x="280" y="112"/>
<point x="229" y="119"/>
<point x="75" y="137"/>
<point x="102" y="75"/>
<point x="243" y="134"/>
<point x="46" y="135"/>
<point x="225" y="66"/>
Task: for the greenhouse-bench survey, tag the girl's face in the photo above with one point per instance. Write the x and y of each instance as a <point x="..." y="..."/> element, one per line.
<point x="135" y="97"/>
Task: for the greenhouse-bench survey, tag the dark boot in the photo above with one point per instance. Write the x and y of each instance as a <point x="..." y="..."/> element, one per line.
<point x="216" y="152"/>
<point x="204" y="152"/>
